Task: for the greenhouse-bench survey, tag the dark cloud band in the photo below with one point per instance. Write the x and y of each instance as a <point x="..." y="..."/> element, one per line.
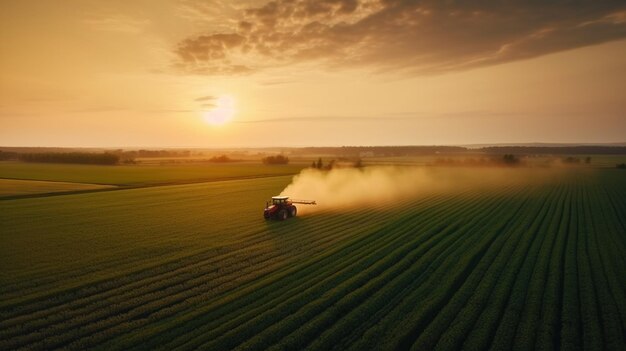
<point x="415" y="36"/>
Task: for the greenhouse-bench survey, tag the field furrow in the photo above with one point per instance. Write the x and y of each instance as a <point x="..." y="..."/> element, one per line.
<point x="524" y="263"/>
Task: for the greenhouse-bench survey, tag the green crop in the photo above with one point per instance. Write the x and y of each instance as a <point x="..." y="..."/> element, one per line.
<point x="524" y="263"/>
<point x="138" y="175"/>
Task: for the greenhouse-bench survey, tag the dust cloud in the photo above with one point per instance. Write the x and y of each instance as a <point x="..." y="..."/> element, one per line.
<point x="346" y="187"/>
<point x="343" y="188"/>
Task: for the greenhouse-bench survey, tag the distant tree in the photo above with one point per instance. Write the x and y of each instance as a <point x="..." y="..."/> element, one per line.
<point x="156" y="153"/>
<point x="358" y="163"/>
<point x="620" y="166"/>
<point x="313" y="165"/>
<point x="71" y="157"/>
<point x="554" y="150"/>
<point x="220" y="159"/>
<point x="510" y="159"/>
<point x="330" y="165"/>
<point x="571" y="160"/>
<point x="275" y="160"/>
<point x="319" y="164"/>
<point x="587" y="160"/>
<point x="4" y="155"/>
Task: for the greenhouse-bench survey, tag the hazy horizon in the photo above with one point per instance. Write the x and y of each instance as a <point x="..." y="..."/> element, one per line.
<point x="530" y="144"/>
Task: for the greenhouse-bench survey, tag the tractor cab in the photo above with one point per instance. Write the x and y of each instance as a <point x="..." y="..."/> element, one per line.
<point x="281" y="207"/>
<point x="280" y="200"/>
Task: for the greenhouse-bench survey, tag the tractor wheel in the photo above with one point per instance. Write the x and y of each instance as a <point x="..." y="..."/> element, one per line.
<point x="293" y="212"/>
<point x="282" y="215"/>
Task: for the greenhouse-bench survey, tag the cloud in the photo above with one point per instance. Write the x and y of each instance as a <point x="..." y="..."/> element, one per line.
<point x="206" y="101"/>
<point x="398" y="116"/>
<point x="118" y="23"/>
<point x="170" y="111"/>
<point x="319" y="118"/>
<point x="205" y="98"/>
<point x="99" y="109"/>
<point x="421" y="37"/>
<point x="271" y="82"/>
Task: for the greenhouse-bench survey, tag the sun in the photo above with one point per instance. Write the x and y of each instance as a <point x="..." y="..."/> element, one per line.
<point x="222" y="113"/>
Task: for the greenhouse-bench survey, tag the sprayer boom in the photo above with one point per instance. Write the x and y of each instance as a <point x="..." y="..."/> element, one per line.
<point x="304" y="202"/>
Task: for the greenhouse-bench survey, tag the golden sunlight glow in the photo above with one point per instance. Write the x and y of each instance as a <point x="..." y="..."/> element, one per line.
<point x="229" y="70"/>
<point x="222" y="112"/>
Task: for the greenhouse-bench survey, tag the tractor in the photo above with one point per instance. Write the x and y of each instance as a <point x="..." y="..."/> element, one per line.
<point x="281" y="207"/>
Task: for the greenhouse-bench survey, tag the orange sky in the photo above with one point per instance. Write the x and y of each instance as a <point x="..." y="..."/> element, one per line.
<point x="164" y="73"/>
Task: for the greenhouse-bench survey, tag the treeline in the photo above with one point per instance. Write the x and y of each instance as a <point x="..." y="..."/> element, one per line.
<point x="342" y="163"/>
<point x="104" y="158"/>
<point x="71" y="157"/>
<point x="555" y="150"/>
<point x="378" y="151"/>
<point x="131" y="154"/>
<point x="506" y="160"/>
<point x="222" y="159"/>
<point x="576" y="160"/>
<point x="8" y="155"/>
<point x="385" y="151"/>
<point x="275" y="160"/>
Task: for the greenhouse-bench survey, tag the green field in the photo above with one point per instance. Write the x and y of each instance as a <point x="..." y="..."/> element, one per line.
<point x="133" y="175"/>
<point x="530" y="262"/>
<point x="13" y="187"/>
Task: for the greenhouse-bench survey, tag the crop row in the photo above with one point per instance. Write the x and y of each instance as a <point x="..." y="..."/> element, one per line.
<point x="107" y="305"/>
<point x="317" y="268"/>
<point x="525" y="265"/>
<point x="365" y="255"/>
<point x="116" y="302"/>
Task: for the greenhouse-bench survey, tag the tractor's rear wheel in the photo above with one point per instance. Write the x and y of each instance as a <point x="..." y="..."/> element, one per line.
<point x="282" y="215"/>
<point x="293" y="211"/>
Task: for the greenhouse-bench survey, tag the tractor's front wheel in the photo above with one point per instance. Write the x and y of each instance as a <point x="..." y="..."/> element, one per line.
<point x="293" y="211"/>
<point x="282" y="215"/>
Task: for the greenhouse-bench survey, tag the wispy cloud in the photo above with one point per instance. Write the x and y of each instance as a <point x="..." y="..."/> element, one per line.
<point x="316" y="119"/>
<point x="397" y="116"/>
<point x="205" y="98"/>
<point x="271" y="82"/>
<point x="118" y="23"/>
<point x="410" y="35"/>
<point x="99" y="109"/>
<point x="170" y="111"/>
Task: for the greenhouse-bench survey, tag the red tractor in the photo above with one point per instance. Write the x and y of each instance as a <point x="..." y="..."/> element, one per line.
<point x="281" y="207"/>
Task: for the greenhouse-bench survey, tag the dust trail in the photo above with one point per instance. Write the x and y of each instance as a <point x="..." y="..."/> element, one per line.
<point x="343" y="188"/>
<point x="349" y="187"/>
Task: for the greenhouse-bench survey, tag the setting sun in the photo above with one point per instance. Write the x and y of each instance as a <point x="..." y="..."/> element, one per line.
<point x="222" y="112"/>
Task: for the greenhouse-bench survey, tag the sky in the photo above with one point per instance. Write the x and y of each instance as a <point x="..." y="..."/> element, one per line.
<point x="246" y="73"/>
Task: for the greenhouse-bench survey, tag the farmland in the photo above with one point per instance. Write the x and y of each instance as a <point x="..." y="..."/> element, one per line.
<point x="536" y="260"/>
<point x="134" y="175"/>
<point x="17" y="187"/>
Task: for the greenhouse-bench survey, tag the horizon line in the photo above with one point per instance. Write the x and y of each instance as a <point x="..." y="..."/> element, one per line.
<point x="466" y="145"/>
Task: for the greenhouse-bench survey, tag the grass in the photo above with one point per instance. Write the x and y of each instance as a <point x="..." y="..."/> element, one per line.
<point x="534" y="263"/>
<point x="13" y="187"/>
